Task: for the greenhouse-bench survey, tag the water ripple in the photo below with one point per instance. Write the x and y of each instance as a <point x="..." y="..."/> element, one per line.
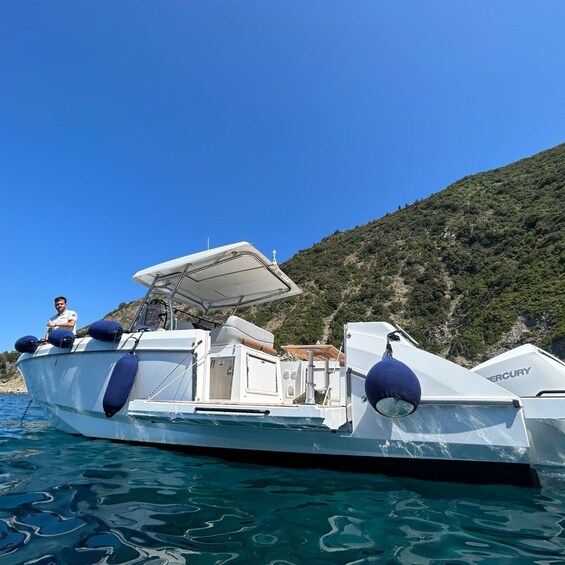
<point x="67" y="499"/>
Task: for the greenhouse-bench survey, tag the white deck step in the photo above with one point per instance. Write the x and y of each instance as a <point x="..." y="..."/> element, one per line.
<point x="296" y="416"/>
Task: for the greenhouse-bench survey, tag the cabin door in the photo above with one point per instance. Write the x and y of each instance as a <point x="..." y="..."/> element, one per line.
<point x="221" y="378"/>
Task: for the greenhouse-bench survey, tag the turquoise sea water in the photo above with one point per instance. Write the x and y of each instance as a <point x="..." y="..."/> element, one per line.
<point x="67" y="499"/>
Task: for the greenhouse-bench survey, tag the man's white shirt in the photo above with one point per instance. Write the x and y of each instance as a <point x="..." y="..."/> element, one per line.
<point x="63" y="318"/>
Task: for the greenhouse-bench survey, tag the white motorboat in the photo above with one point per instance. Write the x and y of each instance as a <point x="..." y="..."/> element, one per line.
<point x="381" y="403"/>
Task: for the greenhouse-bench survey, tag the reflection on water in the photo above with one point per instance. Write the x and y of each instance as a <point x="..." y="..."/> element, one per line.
<point x="67" y="499"/>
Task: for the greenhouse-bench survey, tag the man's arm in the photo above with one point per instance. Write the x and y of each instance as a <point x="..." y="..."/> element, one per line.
<point x="69" y="324"/>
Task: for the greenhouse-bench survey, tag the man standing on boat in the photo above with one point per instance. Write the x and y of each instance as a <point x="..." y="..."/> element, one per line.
<point x="63" y="319"/>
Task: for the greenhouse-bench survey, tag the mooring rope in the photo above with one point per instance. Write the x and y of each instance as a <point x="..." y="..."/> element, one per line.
<point x="25" y="412"/>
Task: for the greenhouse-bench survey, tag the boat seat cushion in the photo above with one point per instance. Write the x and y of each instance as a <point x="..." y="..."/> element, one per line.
<point x="235" y="329"/>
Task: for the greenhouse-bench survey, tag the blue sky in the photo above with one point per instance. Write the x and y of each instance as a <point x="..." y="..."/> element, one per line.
<point x="135" y="131"/>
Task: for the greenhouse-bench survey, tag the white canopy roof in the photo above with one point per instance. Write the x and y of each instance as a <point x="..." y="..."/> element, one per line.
<point x="224" y="277"/>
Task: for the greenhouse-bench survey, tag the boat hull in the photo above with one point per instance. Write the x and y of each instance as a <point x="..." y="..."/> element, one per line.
<point x="495" y="467"/>
<point x="308" y="447"/>
<point x="167" y="407"/>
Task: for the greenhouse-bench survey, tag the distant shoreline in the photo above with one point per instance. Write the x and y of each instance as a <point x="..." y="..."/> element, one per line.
<point x="13" y="386"/>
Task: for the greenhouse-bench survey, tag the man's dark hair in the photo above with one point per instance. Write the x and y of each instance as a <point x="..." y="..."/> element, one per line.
<point x="60" y="298"/>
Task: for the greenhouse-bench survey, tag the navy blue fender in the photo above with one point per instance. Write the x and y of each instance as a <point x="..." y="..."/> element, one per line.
<point x="392" y="388"/>
<point x="61" y="337"/>
<point x="120" y="384"/>
<point x="27" y="344"/>
<point x="106" y="330"/>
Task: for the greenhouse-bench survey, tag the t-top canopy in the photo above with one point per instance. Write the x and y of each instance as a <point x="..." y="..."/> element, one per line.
<point x="224" y="277"/>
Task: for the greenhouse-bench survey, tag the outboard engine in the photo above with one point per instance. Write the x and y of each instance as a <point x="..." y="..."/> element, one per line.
<point x="525" y="371"/>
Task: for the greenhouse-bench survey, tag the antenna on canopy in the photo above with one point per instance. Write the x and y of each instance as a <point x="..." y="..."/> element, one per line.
<point x="208" y="243"/>
<point x="275" y="258"/>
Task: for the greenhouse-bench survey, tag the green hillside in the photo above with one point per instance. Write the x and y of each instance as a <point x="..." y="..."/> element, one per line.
<point x="469" y="272"/>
